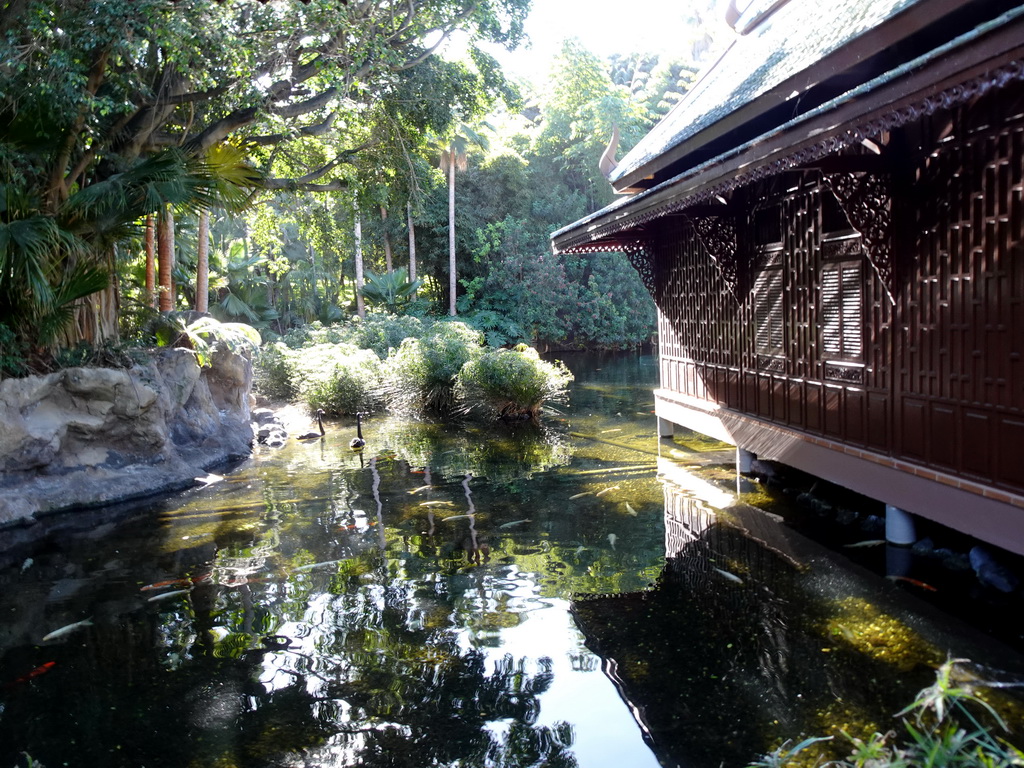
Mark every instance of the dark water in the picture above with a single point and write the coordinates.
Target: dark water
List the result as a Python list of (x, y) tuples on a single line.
[(324, 608)]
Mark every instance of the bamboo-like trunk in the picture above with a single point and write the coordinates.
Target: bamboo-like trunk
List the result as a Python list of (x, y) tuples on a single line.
[(165, 257), (387, 238), (412, 243), (360, 306), (150, 262), (451, 234), (203, 263)]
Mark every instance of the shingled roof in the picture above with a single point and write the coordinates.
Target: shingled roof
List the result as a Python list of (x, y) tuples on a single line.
[(805, 82)]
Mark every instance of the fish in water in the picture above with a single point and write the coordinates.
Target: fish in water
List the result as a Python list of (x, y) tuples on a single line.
[(68, 629), (183, 582), (730, 576), (915, 582), (40, 670), (456, 517), (437, 504), (609, 489), (27, 564), (612, 538), (165, 595), (314, 566), (581, 495), (630, 510), (514, 522), (580, 549), (422, 488), (606, 431), (868, 543)]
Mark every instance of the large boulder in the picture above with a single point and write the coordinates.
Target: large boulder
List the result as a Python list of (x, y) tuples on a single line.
[(84, 437)]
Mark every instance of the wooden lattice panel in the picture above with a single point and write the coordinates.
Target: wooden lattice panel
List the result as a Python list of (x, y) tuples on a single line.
[(961, 381)]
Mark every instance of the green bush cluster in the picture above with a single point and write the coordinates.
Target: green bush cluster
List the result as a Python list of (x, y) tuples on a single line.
[(510, 383), (409, 366), (380, 331), (421, 374), (340, 378)]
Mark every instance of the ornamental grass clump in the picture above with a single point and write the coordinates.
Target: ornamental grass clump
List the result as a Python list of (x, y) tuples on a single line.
[(420, 375), (340, 378), (510, 384)]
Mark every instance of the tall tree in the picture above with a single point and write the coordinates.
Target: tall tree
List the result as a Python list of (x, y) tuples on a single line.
[(203, 262), (92, 88), (454, 158)]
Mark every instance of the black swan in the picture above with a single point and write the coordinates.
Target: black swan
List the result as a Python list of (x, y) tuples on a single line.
[(357, 442), (320, 423)]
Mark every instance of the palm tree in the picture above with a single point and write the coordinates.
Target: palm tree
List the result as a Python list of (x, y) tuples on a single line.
[(452, 158), (50, 259)]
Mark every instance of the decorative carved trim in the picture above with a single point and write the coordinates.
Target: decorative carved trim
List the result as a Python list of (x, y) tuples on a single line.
[(867, 201), (641, 257), (848, 374), (718, 236), (768, 364), (842, 248)]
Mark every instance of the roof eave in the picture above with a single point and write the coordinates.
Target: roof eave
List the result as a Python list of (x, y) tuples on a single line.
[(878, 39), (951, 74)]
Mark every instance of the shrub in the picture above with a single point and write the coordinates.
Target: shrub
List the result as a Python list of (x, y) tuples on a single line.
[(510, 384), (421, 374), (339, 378), (379, 331), (274, 372)]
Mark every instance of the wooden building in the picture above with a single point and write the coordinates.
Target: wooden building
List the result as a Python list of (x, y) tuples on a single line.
[(831, 223)]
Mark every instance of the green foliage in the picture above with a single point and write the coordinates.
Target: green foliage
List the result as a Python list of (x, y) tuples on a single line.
[(390, 291), (420, 376), (380, 331), (110, 354), (202, 335), (339, 378), (944, 732), (13, 353), (274, 372), (336, 376), (510, 384)]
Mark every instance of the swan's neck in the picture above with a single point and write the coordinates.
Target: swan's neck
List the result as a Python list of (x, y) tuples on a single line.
[(320, 423), (359, 427)]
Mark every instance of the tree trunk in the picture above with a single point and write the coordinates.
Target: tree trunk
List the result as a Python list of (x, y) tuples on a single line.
[(203, 263), (360, 307), (451, 234), (150, 262), (387, 238), (412, 244), (165, 257)]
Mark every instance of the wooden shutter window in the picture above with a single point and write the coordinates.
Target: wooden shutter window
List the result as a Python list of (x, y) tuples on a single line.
[(842, 312), (768, 312)]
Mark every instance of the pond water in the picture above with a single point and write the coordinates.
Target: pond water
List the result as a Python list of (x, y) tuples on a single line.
[(459, 596)]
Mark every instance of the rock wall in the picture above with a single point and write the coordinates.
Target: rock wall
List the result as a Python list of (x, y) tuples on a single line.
[(89, 436)]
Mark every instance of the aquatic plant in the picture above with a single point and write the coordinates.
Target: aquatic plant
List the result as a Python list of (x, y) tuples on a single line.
[(510, 384), (339, 378), (421, 374), (944, 731)]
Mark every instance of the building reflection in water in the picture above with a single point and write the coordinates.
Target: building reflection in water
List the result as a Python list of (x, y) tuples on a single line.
[(753, 635)]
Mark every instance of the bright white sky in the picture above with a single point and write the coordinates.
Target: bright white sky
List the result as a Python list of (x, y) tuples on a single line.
[(604, 27)]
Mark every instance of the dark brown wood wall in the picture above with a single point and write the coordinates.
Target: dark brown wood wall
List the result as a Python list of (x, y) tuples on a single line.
[(960, 388), (934, 373)]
